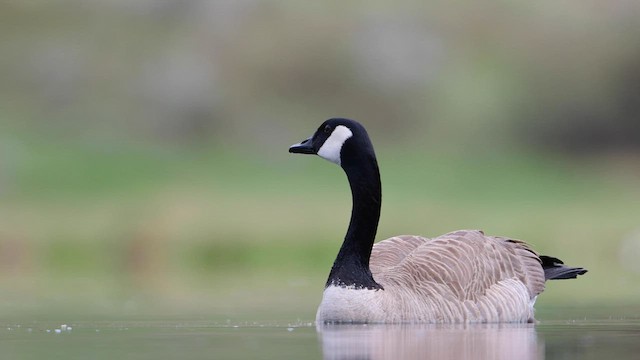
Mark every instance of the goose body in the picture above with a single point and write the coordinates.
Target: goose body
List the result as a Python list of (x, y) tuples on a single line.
[(461, 277)]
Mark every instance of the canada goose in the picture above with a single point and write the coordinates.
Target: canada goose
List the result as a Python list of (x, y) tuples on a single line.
[(462, 276)]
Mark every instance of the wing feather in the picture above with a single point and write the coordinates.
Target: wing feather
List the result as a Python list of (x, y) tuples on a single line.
[(467, 263)]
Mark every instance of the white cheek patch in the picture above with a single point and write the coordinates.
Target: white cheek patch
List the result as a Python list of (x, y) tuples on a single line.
[(330, 150)]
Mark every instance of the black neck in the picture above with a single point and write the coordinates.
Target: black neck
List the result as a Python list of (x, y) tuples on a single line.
[(351, 267)]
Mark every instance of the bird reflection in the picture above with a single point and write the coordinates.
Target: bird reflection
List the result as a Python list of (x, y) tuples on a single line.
[(406, 341)]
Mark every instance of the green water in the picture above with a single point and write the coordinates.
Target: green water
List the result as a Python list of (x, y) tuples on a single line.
[(560, 334)]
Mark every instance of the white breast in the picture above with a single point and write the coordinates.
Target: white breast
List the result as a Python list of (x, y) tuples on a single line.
[(349, 304)]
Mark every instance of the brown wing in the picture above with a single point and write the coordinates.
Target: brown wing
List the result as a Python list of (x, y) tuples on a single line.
[(392, 251), (466, 262)]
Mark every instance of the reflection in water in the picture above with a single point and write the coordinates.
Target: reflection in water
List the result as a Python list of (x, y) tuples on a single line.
[(405, 341)]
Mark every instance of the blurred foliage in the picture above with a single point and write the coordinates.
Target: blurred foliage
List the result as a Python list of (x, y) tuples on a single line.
[(143, 161), (540, 73)]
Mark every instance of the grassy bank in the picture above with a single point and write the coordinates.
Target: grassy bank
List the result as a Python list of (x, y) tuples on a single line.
[(140, 229)]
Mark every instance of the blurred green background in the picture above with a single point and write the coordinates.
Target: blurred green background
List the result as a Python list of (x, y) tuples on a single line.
[(143, 145)]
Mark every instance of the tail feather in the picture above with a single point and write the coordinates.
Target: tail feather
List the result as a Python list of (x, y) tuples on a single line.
[(554, 269)]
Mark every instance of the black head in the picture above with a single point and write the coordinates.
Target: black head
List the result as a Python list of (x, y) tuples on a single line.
[(336, 140)]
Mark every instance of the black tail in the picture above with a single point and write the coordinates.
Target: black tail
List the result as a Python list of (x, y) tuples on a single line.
[(554, 269)]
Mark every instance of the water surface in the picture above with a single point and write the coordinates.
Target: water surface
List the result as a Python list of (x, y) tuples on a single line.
[(561, 336)]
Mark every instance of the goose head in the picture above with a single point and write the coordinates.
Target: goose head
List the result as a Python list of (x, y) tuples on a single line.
[(341, 141)]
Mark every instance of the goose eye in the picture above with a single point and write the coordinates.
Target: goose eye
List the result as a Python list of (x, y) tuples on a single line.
[(327, 129)]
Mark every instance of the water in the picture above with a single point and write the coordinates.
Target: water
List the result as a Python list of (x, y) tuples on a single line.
[(596, 337), (575, 340)]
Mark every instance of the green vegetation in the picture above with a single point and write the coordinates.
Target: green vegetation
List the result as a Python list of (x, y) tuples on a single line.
[(146, 229)]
